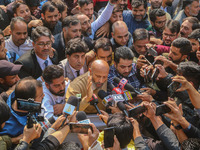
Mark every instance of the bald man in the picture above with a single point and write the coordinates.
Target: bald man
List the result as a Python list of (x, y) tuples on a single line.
[(120, 35), (87, 84)]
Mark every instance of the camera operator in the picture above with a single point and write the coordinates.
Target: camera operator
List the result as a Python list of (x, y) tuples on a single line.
[(25, 89), (52, 139)]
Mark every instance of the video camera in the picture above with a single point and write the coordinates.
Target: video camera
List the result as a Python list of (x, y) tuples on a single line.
[(33, 108)]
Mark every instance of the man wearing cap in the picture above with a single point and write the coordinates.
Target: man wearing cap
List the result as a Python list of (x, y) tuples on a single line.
[(8, 76)]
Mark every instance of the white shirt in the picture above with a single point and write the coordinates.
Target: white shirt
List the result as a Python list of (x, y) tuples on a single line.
[(50, 100), (41, 62), (22, 49), (74, 71)]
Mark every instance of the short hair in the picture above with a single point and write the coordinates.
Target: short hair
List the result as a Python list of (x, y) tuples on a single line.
[(69, 145), (191, 71), (117, 8), (190, 144), (156, 13), (70, 21), (140, 34), (48, 6), (60, 5), (40, 31), (76, 45), (16, 19), (184, 45), (17, 5), (195, 35), (52, 72), (117, 24), (124, 53), (103, 43), (193, 20), (173, 26), (138, 3), (4, 112), (187, 3), (81, 3), (26, 88), (123, 128)]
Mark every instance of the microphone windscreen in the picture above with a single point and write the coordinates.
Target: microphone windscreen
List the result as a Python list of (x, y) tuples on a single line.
[(110, 86), (121, 106), (73, 100), (102, 94), (81, 115), (116, 80), (51, 120)]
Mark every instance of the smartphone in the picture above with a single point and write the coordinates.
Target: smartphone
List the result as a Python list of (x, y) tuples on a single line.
[(152, 52), (154, 75), (136, 111), (109, 137), (162, 109), (172, 87), (79, 128)]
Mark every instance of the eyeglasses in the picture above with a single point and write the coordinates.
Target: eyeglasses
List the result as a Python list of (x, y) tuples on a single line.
[(169, 35), (42, 45)]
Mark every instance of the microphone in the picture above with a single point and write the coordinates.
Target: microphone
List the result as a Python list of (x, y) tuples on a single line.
[(94, 102), (122, 107), (107, 100), (47, 123), (79, 100), (82, 117), (129, 95), (127, 86), (114, 90), (70, 105)]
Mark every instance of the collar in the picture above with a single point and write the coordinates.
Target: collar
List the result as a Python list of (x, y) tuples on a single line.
[(40, 60), (74, 70)]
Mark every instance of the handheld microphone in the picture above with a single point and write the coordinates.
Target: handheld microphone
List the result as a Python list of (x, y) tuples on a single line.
[(94, 102), (70, 106), (129, 95), (82, 117), (127, 86), (107, 100), (113, 89), (122, 107), (47, 123), (79, 100)]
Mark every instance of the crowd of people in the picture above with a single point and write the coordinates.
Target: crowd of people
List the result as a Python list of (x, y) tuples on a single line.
[(135, 64)]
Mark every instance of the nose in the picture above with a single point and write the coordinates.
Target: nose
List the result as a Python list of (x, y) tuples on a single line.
[(17, 78), (78, 34), (126, 69), (53, 18)]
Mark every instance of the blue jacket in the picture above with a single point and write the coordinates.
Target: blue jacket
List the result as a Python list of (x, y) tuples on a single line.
[(15, 125), (132, 24)]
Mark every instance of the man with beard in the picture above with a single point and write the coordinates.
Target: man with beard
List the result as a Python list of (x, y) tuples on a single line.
[(18, 41), (187, 26), (124, 67), (50, 17), (158, 20), (20, 9), (190, 8), (179, 51), (75, 64), (137, 18), (194, 38), (170, 32), (89, 83), (156, 4), (37, 59), (71, 28), (54, 90)]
